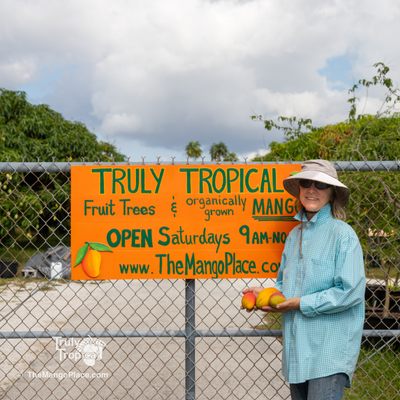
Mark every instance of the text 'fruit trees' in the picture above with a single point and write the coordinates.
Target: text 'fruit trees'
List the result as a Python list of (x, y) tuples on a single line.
[(179, 221)]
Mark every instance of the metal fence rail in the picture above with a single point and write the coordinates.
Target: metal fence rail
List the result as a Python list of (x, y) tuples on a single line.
[(160, 339)]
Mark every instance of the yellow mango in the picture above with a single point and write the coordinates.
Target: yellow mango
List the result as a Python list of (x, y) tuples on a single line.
[(264, 296), (91, 263), (249, 301), (276, 298)]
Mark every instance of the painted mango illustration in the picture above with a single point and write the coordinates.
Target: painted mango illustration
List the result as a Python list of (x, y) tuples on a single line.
[(89, 257), (91, 263)]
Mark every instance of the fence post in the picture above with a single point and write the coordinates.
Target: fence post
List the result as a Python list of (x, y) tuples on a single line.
[(190, 335)]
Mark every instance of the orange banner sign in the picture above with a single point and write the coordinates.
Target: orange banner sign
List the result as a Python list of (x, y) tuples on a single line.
[(179, 221)]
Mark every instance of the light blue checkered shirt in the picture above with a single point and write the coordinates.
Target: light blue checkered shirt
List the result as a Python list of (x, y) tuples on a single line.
[(324, 337)]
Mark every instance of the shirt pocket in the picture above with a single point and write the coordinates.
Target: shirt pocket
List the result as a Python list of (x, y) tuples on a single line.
[(319, 275)]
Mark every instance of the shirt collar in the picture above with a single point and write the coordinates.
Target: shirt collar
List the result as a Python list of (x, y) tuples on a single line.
[(322, 215)]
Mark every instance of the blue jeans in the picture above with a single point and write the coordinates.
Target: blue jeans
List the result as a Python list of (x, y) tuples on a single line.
[(326, 388)]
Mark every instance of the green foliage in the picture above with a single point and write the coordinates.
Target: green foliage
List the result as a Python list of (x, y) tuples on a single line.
[(367, 138), (35, 206), (231, 156), (391, 98), (36, 132), (376, 376), (374, 212), (219, 152), (374, 209), (292, 127), (361, 137), (193, 150)]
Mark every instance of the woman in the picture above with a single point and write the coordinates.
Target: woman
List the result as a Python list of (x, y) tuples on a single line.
[(322, 277)]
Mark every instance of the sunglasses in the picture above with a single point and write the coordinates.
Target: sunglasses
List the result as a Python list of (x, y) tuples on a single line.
[(306, 183)]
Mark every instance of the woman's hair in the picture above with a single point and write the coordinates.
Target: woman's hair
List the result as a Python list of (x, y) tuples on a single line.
[(337, 209)]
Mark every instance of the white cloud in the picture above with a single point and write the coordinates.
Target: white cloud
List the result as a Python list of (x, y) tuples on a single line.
[(120, 123), (16, 72), (154, 75)]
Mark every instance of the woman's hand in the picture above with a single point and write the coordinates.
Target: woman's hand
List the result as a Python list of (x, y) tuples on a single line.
[(288, 305)]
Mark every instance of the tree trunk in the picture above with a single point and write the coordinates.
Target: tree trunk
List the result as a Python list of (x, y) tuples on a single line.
[(387, 293), (396, 281)]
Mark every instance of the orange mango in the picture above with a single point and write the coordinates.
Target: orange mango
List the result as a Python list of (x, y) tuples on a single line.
[(91, 263), (249, 301), (264, 296), (276, 298)]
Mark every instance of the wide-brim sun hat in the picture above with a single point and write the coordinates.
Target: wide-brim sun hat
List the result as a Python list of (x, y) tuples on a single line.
[(320, 171)]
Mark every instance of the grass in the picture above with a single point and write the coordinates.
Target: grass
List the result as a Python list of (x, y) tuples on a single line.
[(271, 322), (47, 286), (20, 281), (380, 273), (377, 376), (21, 256), (15, 281), (378, 371), (17, 254)]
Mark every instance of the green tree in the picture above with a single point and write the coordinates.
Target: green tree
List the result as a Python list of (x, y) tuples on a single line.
[(36, 132), (219, 152), (35, 206), (193, 150), (231, 156), (374, 209)]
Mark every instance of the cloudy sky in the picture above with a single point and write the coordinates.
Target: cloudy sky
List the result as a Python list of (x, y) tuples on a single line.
[(151, 75)]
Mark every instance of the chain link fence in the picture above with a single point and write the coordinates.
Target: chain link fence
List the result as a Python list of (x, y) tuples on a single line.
[(168, 339)]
